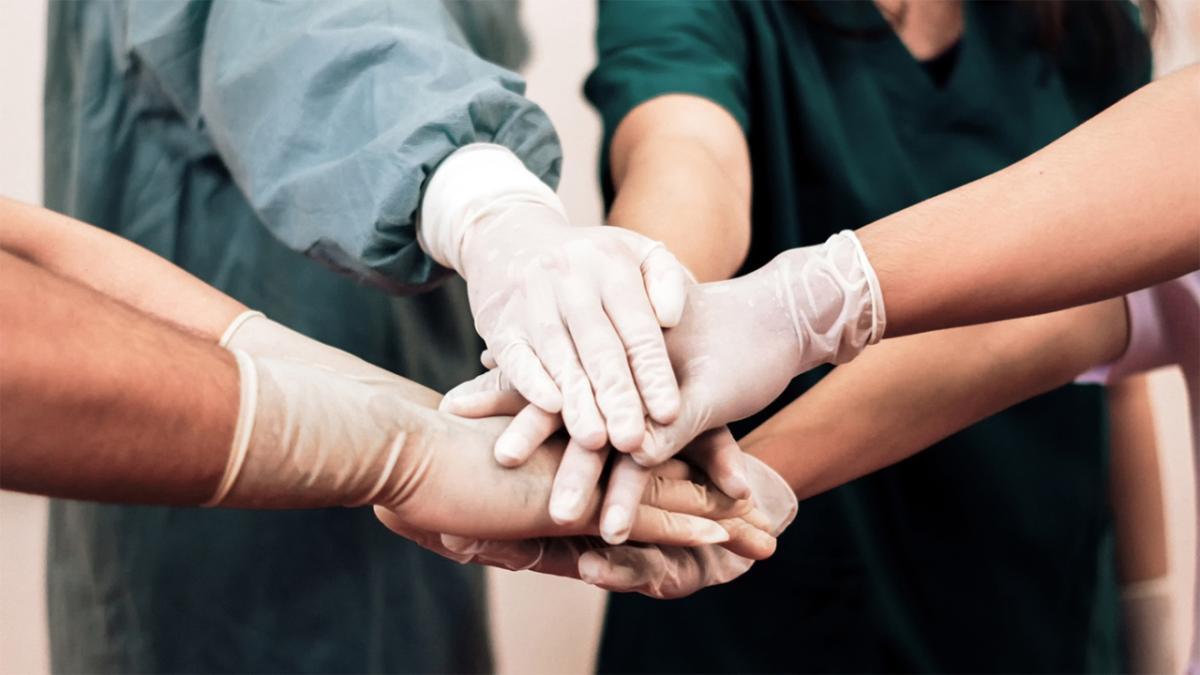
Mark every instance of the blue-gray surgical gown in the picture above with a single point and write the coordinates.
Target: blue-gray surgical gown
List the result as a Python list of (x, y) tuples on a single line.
[(235, 138)]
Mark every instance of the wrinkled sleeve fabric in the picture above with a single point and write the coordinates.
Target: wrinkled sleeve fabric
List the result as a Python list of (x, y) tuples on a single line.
[(649, 48), (332, 115)]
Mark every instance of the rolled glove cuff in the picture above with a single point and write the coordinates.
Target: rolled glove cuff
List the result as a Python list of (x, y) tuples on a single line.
[(472, 183), (834, 300), (878, 311), (247, 407), (235, 325)]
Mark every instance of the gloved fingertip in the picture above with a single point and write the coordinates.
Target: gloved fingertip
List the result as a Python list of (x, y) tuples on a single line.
[(510, 450), (736, 486), (458, 544), (591, 439), (592, 567), (616, 524), (628, 440), (708, 532), (566, 505)]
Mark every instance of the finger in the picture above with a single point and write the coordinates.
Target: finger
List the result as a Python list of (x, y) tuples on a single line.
[(633, 569), (654, 571), (666, 283), (575, 483), (660, 572), (486, 395), (428, 540), (486, 358), (525, 434), (645, 349), (697, 499), (757, 518), (517, 555), (603, 357), (653, 525), (523, 368), (663, 441), (719, 456), (773, 497), (747, 540), (622, 495), (553, 341)]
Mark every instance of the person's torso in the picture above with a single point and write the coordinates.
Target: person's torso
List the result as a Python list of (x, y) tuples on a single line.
[(990, 551)]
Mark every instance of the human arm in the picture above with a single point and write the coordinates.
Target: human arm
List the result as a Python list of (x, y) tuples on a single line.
[(671, 90), (386, 118), (903, 395), (115, 267), (1111, 207), (681, 170), (93, 392)]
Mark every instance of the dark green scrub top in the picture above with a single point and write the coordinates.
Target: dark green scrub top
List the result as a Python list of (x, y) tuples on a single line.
[(993, 550)]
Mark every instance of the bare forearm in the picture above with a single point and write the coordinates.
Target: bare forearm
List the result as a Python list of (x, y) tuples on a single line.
[(902, 395), (681, 169), (675, 193), (115, 267), (1111, 207), (100, 402)]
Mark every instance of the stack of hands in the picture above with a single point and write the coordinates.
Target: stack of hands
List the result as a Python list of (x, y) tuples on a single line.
[(597, 331), (574, 319)]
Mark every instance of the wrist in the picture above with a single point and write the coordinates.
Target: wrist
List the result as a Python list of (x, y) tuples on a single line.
[(308, 437), (833, 299), (473, 183)]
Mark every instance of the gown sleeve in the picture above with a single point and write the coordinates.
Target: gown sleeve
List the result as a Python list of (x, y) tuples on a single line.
[(331, 116)]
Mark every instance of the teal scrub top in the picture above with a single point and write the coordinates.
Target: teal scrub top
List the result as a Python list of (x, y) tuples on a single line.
[(992, 550), (234, 138)]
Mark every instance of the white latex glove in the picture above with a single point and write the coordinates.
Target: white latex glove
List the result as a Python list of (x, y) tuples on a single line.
[(308, 436), (321, 372), (654, 570), (739, 343), (573, 315), (716, 454)]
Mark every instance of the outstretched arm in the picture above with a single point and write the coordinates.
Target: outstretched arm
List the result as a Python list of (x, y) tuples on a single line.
[(903, 395), (1109, 208), (114, 267), (102, 402)]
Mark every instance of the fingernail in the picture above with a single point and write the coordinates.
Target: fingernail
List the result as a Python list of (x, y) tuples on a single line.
[(566, 505), (711, 533), (616, 525)]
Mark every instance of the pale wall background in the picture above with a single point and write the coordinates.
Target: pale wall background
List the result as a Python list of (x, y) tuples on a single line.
[(540, 625)]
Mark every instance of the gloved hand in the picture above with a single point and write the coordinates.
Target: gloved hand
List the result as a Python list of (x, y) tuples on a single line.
[(361, 435), (573, 315), (739, 343), (658, 571)]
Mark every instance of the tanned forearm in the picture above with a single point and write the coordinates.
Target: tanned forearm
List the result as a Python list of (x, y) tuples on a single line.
[(682, 172), (902, 395), (1109, 208), (115, 267), (101, 402)]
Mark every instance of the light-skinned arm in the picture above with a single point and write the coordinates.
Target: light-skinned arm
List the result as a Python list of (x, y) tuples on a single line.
[(114, 267), (903, 395), (102, 402), (1109, 208), (681, 168)]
